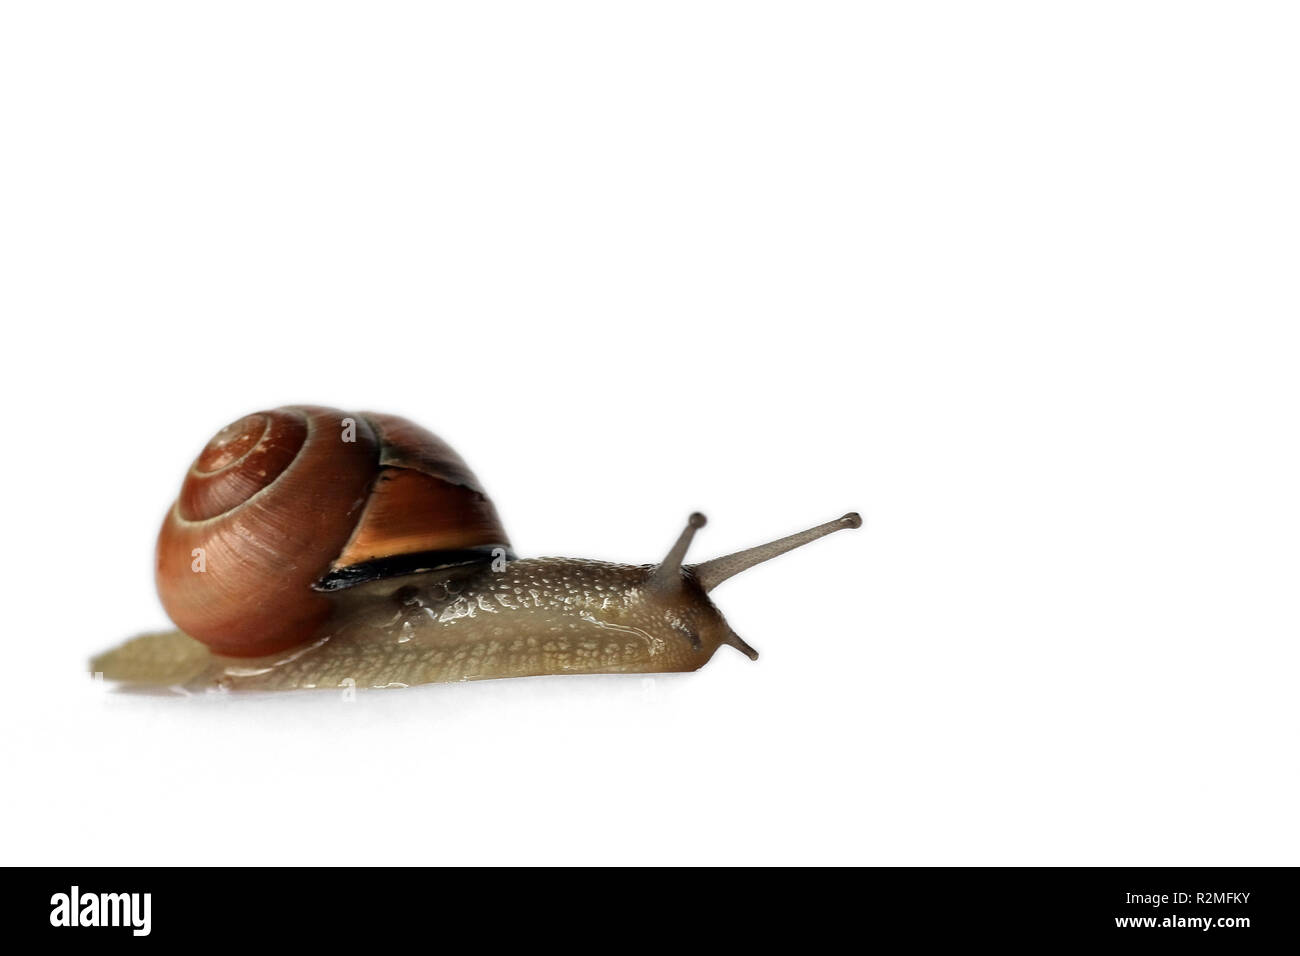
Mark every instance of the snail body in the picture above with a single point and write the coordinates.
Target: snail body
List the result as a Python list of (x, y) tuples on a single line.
[(289, 562)]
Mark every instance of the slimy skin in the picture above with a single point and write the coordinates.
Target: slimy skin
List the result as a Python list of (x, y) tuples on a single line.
[(481, 621), (533, 617)]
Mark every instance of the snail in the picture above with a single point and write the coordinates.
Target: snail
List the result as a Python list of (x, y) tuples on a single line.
[(313, 548)]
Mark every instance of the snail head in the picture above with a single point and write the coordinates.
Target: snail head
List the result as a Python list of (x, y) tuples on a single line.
[(682, 590)]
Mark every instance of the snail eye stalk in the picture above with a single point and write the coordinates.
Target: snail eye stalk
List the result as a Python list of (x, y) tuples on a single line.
[(667, 577), (712, 573)]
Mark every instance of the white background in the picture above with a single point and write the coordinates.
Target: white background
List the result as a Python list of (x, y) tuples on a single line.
[(1016, 280)]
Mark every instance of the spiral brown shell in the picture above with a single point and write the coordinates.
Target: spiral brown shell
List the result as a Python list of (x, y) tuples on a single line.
[(283, 505)]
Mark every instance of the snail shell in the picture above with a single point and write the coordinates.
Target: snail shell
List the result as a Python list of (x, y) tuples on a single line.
[(284, 506)]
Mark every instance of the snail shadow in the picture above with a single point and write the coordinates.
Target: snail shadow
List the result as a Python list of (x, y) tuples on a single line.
[(455, 700)]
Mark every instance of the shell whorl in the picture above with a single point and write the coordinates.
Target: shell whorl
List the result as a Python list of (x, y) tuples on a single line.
[(240, 460)]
